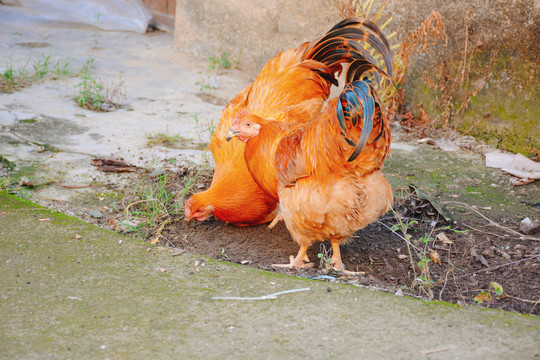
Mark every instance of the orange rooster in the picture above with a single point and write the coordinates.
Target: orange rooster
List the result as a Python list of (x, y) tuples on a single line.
[(329, 185), (291, 88)]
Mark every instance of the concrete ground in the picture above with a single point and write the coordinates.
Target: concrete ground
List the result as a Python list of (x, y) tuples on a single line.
[(72, 290)]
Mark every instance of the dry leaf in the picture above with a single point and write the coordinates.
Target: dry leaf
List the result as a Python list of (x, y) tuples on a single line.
[(435, 257), (78, 236), (155, 240), (443, 238), (4, 213), (479, 257), (26, 182), (45, 219), (402, 256), (483, 296), (113, 223)]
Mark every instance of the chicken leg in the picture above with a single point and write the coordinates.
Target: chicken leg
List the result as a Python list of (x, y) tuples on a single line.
[(336, 262), (300, 261)]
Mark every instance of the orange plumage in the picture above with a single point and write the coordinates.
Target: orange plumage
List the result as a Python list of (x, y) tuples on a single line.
[(291, 88), (326, 172)]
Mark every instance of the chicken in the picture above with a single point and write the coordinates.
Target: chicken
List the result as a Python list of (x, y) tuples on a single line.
[(292, 87), (329, 185)]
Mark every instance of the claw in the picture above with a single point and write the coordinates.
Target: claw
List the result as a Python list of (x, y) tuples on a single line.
[(300, 261), (277, 219)]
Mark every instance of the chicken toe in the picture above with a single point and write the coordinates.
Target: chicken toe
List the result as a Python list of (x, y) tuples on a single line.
[(300, 261)]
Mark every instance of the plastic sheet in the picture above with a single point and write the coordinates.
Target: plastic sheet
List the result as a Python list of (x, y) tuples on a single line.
[(121, 15)]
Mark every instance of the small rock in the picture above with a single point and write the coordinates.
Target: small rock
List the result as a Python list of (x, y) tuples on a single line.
[(528, 226), (158, 172), (96, 214)]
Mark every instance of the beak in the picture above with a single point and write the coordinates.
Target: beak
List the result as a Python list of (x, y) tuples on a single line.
[(230, 134)]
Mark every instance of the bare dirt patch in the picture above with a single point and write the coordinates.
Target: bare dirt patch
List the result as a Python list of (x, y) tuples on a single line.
[(450, 262)]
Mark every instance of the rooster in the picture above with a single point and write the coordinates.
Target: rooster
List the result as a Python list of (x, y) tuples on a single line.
[(328, 184), (291, 88)]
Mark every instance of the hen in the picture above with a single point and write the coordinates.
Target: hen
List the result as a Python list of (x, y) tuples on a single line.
[(329, 185), (291, 88)]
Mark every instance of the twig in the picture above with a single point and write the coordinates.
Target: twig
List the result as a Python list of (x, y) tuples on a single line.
[(427, 352), (264, 297), (483, 231), (524, 300), (142, 201), (491, 222), (499, 266)]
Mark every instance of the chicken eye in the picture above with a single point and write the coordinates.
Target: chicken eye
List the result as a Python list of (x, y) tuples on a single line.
[(248, 124)]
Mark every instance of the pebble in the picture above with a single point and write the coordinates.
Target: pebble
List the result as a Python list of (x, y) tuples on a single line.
[(96, 214), (528, 226)]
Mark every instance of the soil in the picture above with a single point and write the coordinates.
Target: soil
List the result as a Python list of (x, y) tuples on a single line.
[(463, 266)]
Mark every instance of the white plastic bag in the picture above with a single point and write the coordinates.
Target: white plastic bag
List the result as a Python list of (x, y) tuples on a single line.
[(123, 15)]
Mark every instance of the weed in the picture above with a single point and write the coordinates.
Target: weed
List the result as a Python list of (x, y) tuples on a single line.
[(96, 95), (9, 83), (420, 251), (495, 290), (223, 255), (164, 139), (90, 94), (61, 68), (153, 203), (43, 68), (324, 256), (17, 181), (204, 133), (208, 79), (223, 61)]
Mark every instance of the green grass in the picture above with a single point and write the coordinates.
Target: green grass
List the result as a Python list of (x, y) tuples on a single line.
[(94, 94), (154, 202), (165, 139), (43, 68)]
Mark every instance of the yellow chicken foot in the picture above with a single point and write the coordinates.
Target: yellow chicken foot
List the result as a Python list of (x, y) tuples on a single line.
[(277, 219), (336, 262), (300, 261)]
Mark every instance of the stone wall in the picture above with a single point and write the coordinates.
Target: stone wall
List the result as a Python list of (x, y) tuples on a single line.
[(503, 48), (252, 30)]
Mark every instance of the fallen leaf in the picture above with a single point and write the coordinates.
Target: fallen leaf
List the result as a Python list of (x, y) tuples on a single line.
[(483, 296), (45, 219), (444, 239), (78, 236), (479, 257), (399, 292), (521, 182), (111, 165), (402, 256), (497, 288), (155, 240), (26, 182), (113, 223), (435, 257), (4, 213)]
